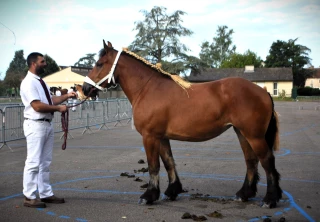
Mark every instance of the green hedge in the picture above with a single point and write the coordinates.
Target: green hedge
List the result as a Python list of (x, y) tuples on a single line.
[(308, 91)]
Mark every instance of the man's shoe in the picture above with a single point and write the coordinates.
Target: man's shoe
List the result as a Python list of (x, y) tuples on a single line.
[(53, 199), (34, 203)]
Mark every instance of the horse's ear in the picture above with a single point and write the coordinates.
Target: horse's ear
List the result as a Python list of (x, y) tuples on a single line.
[(105, 45)]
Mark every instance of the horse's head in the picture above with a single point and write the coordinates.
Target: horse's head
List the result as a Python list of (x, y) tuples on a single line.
[(53, 89), (101, 76)]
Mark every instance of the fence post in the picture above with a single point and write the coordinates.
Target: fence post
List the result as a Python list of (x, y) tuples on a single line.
[(118, 113), (103, 117), (87, 126), (3, 131)]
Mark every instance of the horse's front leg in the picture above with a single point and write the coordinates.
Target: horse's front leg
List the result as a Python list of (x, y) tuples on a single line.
[(175, 186), (152, 146)]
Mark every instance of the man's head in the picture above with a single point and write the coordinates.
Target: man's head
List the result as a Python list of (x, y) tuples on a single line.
[(36, 63)]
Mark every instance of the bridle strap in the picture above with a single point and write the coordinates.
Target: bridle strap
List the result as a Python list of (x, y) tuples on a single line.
[(108, 77), (65, 121), (88, 80)]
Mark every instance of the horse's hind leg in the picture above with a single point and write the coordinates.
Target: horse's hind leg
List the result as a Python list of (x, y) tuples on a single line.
[(151, 146), (249, 187), (267, 160), (175, 186)]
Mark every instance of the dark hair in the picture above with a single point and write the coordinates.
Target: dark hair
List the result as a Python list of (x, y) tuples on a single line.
[(32, 57)]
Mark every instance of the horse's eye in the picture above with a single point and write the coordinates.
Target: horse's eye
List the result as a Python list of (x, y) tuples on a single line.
[(99, 64)]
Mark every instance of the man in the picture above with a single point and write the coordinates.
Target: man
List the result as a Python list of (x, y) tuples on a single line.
[(39, 133)]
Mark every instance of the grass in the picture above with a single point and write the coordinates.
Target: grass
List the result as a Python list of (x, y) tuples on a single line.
[(288, 99)]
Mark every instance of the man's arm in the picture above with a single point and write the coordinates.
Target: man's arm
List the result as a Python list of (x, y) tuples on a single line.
[(60, 99), (46, 108)]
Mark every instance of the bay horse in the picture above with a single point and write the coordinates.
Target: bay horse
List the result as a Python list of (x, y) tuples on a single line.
[(54, 90), (166, 107), (63, 91), (80, 93)]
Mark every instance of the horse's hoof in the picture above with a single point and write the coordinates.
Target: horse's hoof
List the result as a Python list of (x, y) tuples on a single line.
[(265, 205), (238, 199), (144, 202), (268, 205), (166, 198)]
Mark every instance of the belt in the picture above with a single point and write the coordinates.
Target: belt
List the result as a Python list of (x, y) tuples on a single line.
[(40, 120)]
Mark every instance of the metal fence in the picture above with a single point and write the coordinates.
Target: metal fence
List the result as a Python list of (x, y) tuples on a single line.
[(87, 115)]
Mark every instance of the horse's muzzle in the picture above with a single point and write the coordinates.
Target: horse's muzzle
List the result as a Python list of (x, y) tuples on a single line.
[(86, 88)]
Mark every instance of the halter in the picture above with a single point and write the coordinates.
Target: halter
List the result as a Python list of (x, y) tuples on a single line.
[(108, 77)]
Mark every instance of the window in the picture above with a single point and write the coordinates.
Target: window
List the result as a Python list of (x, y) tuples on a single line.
[(275, 88)]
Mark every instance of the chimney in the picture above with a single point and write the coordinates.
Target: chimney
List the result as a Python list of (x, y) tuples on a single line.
[(249, 68)]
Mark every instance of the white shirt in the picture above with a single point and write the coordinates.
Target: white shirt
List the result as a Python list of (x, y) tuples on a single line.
[(30, 90)]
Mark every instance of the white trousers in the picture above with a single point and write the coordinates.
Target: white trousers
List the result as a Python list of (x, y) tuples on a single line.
[(40, 139)]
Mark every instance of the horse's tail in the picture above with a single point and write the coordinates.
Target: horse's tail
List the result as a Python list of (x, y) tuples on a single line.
[(272, 134)]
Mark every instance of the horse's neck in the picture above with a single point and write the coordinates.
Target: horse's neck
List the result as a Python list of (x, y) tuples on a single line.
[(133, 77)]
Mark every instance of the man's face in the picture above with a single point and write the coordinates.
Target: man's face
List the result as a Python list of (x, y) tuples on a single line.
[(40, 65)]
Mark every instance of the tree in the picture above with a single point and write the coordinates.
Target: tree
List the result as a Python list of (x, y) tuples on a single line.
[(51, 67), (2, 88), (213, 54), (157, 39), (237, 60), (16, 71), (290, 54), (86, 61)]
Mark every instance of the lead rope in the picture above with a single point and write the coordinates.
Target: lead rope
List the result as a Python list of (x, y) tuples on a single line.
[(65, 121)]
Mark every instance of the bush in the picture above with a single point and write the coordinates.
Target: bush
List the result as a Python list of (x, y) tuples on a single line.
[(282, 95), (306, 91), (315, 91)]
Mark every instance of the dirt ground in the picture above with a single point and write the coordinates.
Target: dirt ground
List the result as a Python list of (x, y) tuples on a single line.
[(88, 175)]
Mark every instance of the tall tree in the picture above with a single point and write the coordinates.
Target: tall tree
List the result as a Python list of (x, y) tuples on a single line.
[(87, 61), (213, 54), (3, 88), (237, 60), (290, 54), (16, 71), (158, 41), (51, 67)]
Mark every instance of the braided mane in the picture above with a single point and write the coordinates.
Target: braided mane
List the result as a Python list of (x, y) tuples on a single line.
[(181, 82)]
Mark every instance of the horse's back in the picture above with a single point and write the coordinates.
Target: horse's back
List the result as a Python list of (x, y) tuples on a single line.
[(233, 91)]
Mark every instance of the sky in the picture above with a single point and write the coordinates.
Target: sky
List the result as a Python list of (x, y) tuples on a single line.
[(67, 30)]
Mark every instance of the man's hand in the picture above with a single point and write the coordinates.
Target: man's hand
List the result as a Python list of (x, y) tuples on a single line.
[(63, 108), (72, 95)]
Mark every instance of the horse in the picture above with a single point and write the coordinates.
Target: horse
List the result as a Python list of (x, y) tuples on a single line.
[(166, 107), (53, 90), (73, 88), (80, 93), (63, 91)]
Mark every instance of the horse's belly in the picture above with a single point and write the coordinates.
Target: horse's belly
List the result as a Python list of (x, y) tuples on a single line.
[(196, 133)]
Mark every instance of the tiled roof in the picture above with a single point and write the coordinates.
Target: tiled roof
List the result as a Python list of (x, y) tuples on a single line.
[(84, 71), (259, 74), (316, 72)]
